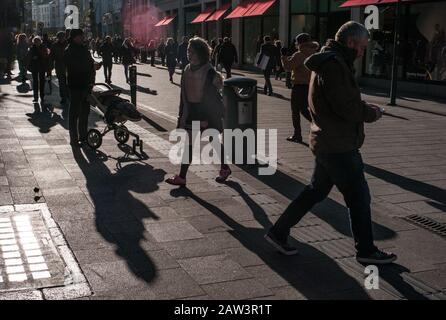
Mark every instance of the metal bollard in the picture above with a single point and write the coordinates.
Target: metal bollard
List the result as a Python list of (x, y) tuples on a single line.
[(133, 84)]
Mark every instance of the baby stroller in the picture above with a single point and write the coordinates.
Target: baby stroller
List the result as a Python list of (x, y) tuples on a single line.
[(117, 111)]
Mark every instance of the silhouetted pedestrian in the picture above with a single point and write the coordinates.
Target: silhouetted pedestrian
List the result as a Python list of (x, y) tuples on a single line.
[(337, 133)]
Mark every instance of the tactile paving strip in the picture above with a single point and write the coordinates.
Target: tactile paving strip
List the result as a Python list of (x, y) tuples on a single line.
[(28, 257)]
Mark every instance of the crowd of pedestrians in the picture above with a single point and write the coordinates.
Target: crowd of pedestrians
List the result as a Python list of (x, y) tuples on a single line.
[(324, 92)]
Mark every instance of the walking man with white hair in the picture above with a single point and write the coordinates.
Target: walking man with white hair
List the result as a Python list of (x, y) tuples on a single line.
[(336, 135)]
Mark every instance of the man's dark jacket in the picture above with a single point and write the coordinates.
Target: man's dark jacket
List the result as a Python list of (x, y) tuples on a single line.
[(57, 55), (270, 50), (227, 54), (38, 59), (337, 111), (182, 53), (106, 51), (80, 67)]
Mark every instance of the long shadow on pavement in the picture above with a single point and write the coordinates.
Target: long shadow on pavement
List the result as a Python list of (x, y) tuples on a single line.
[(119, 214), (138, 88), (436, 194), (329, 210), (313, 274)]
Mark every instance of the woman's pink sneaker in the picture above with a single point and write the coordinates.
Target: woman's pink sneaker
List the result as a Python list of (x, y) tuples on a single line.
[(224, 174), (176, 181)]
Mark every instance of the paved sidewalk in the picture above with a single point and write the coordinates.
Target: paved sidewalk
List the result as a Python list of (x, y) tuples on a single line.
[(135, 237)]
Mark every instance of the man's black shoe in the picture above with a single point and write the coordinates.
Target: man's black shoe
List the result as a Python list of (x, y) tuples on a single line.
[(295, 138), (378, 257), (282, 247)]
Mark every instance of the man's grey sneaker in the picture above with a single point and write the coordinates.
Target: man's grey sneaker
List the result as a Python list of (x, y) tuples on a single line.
[(378, 257), (282, 247)]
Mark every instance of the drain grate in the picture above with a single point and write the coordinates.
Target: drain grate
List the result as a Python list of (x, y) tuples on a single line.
[(428, 224)]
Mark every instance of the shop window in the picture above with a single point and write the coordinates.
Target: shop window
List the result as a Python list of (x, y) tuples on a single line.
[(211, 32), (378, 58), (252, 36), (271, 27), (426, 42), (303, 23), (304, 6)]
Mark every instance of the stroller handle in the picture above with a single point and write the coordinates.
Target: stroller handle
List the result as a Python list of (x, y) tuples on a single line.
[(102, 84)]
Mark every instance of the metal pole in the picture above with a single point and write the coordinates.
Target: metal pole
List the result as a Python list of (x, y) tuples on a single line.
[(394, 80), (133, 84)]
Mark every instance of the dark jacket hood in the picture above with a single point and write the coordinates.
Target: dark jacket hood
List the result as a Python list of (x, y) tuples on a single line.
[(331, 50)]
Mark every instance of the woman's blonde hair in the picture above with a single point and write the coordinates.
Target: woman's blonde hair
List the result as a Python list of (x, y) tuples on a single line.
[(201, 48)]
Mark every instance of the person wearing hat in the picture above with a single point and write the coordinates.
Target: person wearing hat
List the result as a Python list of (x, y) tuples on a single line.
[(300, 77), (81, 72), (58, 61)]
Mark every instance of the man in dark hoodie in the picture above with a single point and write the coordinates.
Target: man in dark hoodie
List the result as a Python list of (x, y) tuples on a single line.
[(300, 77), (81, 76), (337, 133)]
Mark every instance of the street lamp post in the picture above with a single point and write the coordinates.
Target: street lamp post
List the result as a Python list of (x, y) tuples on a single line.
[(394, 80)]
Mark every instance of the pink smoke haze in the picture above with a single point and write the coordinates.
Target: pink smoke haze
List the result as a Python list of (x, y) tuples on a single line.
[(139, 23)]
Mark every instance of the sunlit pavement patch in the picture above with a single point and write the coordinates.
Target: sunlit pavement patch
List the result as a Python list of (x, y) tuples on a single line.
[(34, 257)]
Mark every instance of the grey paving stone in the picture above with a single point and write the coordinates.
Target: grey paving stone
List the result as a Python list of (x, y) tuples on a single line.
[(116, 275), (84, 234), (22, 295), (173, 231), (244, 257), (267, 276), (192, 248), (175, 283), (208, 224), (237, 290), (287, 293), (224, 240), (212, 269)]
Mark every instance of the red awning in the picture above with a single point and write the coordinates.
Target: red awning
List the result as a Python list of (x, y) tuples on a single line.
[(355, 3), (203, 16), (219, 13), (160, 23), (241, 9), (251, 8), (259, 8), (168, 20)]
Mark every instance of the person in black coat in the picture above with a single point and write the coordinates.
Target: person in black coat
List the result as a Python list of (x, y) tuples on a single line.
[(38, 65), (171, 57), (106, 51), (162, 51), (269, 50), (81, 73), (227, 55), (182, 53), (128, 56), (58, 61)]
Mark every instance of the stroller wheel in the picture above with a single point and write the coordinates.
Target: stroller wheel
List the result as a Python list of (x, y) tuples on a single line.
[(122, 134), (94, 139)]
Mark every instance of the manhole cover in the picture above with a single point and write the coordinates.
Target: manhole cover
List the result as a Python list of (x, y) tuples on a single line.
[(35, 260)]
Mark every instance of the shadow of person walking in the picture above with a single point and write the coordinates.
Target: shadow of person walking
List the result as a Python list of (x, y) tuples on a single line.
[(45, 120), (313, 274), (119, 214)]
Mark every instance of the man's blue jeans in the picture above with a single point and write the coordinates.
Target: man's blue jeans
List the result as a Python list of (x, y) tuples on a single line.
[(346, 172)]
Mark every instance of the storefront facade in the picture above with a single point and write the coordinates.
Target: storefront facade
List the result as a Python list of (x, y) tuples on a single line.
[(421, 53), (421, 56)]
